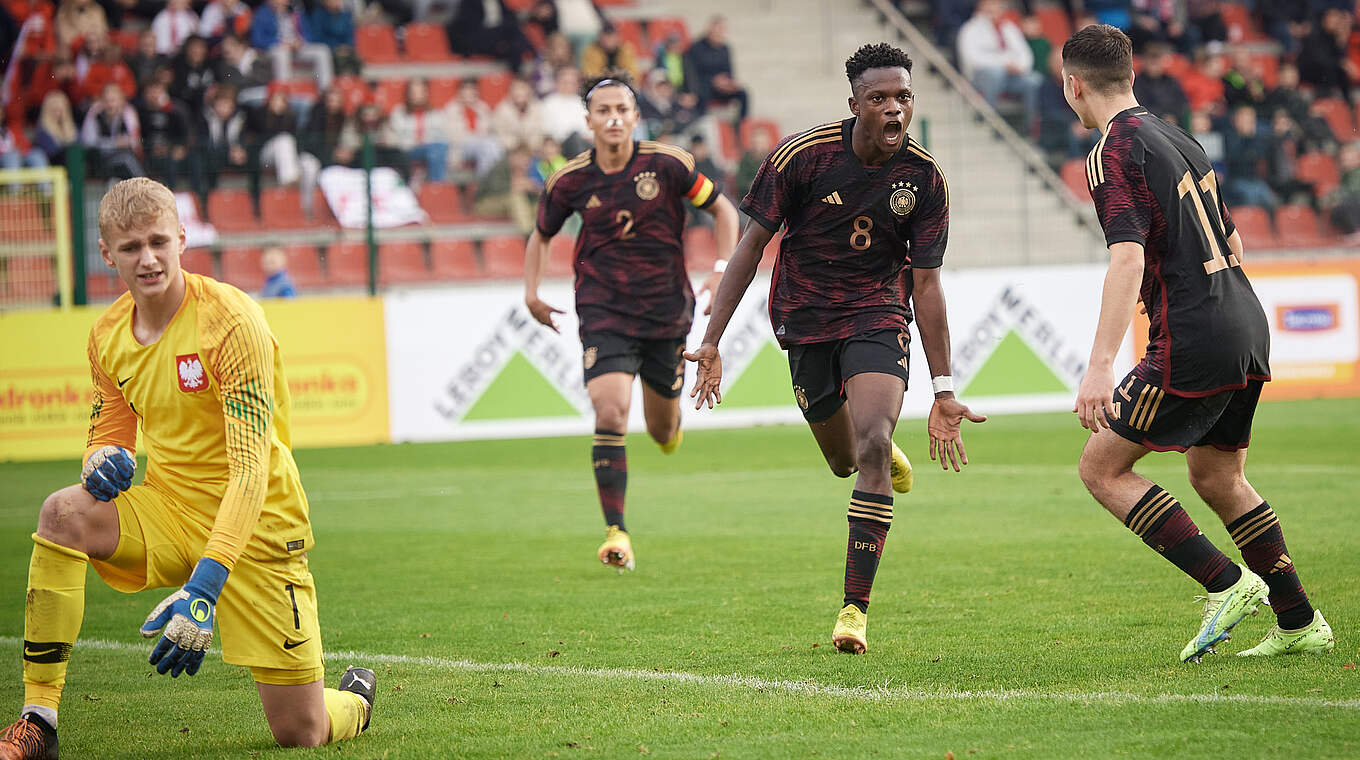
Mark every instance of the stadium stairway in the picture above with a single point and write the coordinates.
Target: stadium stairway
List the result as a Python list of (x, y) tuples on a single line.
[(791, 56)]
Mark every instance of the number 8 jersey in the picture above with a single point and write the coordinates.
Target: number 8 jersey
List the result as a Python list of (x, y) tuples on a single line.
[(1153, 185), (852, 233)]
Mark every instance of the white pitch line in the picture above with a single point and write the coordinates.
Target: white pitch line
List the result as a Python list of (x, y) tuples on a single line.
[(801, 688)]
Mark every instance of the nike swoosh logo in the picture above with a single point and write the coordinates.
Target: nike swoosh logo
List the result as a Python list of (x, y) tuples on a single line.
[(31, 652), (1205, 639), (294, 645), (121, 383)]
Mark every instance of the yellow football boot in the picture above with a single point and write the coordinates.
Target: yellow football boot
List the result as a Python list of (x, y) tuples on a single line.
[(617, 549)]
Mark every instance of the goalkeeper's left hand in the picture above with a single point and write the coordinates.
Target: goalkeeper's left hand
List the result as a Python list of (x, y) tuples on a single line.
[(187, 619)]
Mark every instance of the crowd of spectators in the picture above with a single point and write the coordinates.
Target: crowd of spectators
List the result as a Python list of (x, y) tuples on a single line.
[(191, 92), (1268, 88)]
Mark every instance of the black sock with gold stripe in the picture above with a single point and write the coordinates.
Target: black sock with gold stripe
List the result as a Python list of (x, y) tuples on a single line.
[(870, 516), (1258, 535), (611, 474), (1160, 521)]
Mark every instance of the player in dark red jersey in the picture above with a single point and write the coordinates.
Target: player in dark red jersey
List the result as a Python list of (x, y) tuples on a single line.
[(1174, 247), (633, 296), (866, 211)]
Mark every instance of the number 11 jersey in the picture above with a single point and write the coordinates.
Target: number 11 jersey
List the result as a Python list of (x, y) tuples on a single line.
[(1153, 185)]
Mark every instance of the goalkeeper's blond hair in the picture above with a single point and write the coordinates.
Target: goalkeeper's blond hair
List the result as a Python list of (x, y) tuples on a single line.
[(136, 202)]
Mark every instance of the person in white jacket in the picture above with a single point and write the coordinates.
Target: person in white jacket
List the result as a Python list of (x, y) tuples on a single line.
[(996, 58)]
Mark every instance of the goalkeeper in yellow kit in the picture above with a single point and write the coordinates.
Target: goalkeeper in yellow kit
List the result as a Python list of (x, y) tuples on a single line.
[(221, 514)]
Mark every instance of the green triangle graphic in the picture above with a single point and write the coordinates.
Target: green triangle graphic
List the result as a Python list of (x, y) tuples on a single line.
[(765, 382), (1013, 369), (519, 391)]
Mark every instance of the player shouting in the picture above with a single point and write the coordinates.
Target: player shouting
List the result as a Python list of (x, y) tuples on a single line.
[(866, 211), (221, 513), (633, 297), (1174, 247)]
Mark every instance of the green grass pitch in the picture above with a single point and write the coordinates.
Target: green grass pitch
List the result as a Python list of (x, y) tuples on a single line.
[(1012, 617)]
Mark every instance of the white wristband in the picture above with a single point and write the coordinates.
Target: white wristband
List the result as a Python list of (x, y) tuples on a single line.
[(720, 266), (942, 383)]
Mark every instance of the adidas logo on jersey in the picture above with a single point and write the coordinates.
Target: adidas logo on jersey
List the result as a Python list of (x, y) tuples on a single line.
[(834, 199), (594, 202)]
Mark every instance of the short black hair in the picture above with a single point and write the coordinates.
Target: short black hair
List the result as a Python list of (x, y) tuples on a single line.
[(615, 78), (880, 56), (1101, 55)]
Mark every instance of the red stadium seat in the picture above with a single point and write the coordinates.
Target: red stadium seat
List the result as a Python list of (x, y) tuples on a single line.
[(491, 88), (102, 286), (1054, 22), (631, 31), (198, 261), (727, 141), (281, 209), (519, 6), (751, 126), (231, 211), (443, 90), (503, 257), (355, 90), (298, 89), (1253, 225), (1298, 227), (375, 43), (1241, 26), (1319, 169), (22, 218), (347, 264), (561, 252), (440, 200), (1074, 176), (241, 267), (426, 43), (401, 262), (659, 28), (453, 260), (1339, 117), (30, 279), (387, 93), (304, 267), (1268, 68), (536, 37)]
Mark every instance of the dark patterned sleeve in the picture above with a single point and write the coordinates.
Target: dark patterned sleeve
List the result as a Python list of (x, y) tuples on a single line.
[(930, 225), (768, 201), (553, 210), (1113, 175), (698, 189)]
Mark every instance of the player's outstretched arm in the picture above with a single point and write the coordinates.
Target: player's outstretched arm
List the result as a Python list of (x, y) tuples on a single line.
[(1094, 406), (947, 413), (725, 232), (535, 263), (735, 281)]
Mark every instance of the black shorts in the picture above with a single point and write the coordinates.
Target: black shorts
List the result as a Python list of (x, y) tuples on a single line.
[(1151, 417), (660, 362), (820, 370)]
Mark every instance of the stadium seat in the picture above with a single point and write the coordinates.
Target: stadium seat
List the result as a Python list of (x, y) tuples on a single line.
[(347, 264), (1319, 169), (231, 211), (519, 6), (1253, 225), (1074, 176), (241, 267), (281, 209), (21, 218), (727, 141), (630, 31), (304, 267), (701, 250), (503, 257), (30, 279), (427, 43), (751, 126), (443, 90), (1241, 26), (198, 261), (536, 37), (1268, 68), (659, 28), (375, 43), (1054, 22), (125, 39), (401, 262), (1297, 227), (387, 93), (355, 90), (440, 200), (561, 252), (103, 286), (491, 88), (453, 260), (1339, 117)]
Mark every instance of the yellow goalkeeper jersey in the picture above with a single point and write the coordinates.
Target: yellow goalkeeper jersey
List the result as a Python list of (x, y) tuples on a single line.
[(212, 403)]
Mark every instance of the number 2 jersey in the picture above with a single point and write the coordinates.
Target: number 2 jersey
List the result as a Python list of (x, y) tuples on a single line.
[(629, 259), (852, 234), (1153, 185)]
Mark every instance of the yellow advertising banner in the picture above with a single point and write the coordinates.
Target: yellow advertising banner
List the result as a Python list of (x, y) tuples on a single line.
[(334, 351)]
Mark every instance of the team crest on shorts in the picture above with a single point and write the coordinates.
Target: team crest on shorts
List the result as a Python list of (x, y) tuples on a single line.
[(903, 198), (648, 187), (801, 396), (589, 358), (192, 378)]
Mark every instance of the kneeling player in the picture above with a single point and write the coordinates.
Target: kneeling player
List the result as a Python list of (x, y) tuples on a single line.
[(221, 513)]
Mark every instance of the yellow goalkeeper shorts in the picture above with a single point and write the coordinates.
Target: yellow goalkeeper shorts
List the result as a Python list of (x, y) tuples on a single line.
[(266, 616)]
